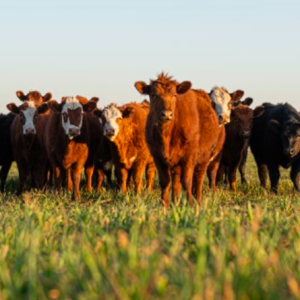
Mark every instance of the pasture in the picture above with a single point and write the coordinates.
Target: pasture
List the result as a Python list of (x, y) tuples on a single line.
[(242, 245)]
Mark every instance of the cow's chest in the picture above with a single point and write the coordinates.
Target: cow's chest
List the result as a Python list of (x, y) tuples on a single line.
[(76, 153)]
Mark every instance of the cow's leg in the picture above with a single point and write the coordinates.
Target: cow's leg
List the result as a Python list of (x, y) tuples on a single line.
[(220, 174), (138, 174), (89, 170), (151, 176), (295, 176), (164, 182), (58, 179), (33, 184), (263, 174), (123, 180), (176, 184), (3, 174), (274, 176), (70, 181), (232, 169), (200, 172), (187, 180), (23, 172), (212, 171), (242, 166), (39, 171), (101, 175), (226, 176), (130, 179), (76, 171)]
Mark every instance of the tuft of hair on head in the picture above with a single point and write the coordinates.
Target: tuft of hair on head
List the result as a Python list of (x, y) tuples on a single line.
[(164, 78)]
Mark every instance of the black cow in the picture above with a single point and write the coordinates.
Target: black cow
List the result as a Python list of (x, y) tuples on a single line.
[(6, 152), (234, 153), (275, 142)]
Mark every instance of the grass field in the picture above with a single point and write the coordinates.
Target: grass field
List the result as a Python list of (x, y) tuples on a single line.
[(243, 245)]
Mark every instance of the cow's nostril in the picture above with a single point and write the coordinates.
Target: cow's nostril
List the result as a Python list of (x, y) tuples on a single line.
[(166, 114)]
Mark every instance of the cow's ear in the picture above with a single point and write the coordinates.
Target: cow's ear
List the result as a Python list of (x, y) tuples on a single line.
[(143, 88), (275, 125), (183, 87), (47, 97), (258, 111), (54, 106), (98, 113), (95, 99), (237, 95), (248, 101), (146, 102), (21, 96), (43, 108), (82, 100), (89, 107), (127, 112), (13, 108)]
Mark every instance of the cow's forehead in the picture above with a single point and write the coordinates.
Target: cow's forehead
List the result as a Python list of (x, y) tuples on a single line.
[(112, 112), (28, 106), (71, 103), (220, 95)]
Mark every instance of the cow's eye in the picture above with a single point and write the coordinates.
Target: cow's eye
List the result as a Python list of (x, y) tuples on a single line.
[(65, 116)]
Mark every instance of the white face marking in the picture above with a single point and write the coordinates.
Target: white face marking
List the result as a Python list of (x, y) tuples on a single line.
[(29, 113), (71, 103), (111, 127), (221, 98)]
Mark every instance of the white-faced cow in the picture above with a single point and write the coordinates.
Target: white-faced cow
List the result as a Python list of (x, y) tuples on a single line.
[(125, 128), (27, 137), (70, 143), (222, 102)]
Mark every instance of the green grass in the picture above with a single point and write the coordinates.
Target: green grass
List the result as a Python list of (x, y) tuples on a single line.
[(243, 245)]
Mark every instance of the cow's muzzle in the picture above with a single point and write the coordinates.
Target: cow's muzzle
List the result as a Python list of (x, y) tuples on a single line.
[(73, 132), (166, 115)]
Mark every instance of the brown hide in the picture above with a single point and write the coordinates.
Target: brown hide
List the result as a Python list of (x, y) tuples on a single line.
[(184, 143), (130, 151), (69, 157)]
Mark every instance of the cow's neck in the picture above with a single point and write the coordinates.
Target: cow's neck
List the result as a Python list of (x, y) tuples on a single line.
[(29, 141), (166, 134)]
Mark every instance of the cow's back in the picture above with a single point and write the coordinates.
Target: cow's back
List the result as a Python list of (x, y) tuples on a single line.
[(265, 144)]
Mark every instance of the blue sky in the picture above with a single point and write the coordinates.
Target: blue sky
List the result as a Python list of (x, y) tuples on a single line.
[(100, 48)]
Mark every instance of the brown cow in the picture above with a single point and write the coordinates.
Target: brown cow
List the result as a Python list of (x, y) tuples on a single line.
[(27, 136), (222, 102), (125, 127), (70, 143), (182, 131), (235, 149)]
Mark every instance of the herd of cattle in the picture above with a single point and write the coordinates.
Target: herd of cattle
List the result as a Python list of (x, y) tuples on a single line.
[(182, 133)]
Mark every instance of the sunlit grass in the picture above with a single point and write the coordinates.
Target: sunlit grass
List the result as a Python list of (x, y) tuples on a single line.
[(243, 245)]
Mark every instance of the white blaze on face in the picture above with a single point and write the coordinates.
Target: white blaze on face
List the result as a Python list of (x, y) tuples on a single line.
[(221, 99), (29, 113), (72, 103), (111, 127)]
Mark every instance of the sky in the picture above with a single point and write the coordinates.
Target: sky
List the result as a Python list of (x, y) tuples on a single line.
[(100, 48)]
